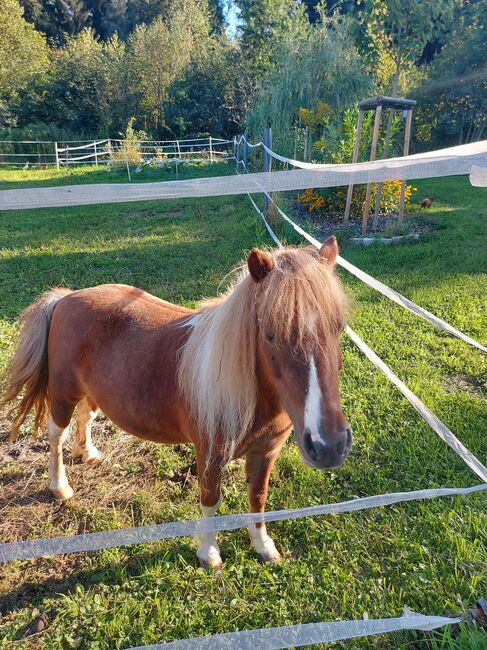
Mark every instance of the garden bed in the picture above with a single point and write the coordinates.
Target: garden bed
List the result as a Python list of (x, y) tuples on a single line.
[(389, 230)]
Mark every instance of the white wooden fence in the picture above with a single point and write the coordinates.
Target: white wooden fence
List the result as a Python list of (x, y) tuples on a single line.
[(41, 153)]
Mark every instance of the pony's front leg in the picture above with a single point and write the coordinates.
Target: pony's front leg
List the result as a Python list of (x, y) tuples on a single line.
[(208, 552), (258, 467)]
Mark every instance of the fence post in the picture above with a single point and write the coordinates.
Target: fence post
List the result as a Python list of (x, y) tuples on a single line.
[(57, 155), (245, 152), (211, 151), (96, 154), (373, 152), (355, 156), (267, 160), (235, 147)]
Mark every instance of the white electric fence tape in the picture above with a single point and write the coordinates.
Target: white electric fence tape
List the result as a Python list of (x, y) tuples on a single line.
[(380, 286), (435, 423), (274, 638), (445, 162), (478, 176), (126, 537)]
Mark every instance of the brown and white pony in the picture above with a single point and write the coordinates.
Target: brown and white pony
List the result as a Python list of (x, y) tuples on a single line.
[(232, 378)]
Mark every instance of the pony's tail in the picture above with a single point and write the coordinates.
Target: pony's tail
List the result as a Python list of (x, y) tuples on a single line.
[(28, 369)]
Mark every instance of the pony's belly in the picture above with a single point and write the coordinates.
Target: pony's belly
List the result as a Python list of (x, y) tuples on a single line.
[(134, 419)]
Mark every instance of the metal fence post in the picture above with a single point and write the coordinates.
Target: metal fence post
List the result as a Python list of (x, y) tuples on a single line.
[(56, 153), (245, 152), (211, 151), (267, 160), (96, 154)]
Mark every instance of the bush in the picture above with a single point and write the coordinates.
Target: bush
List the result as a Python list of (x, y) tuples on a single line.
[(130, 152), (332, 199)]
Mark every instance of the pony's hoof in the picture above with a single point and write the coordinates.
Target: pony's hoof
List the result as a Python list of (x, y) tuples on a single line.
[(269, 557), (209, 558), (211, 566), (89, 456), (62, 492)]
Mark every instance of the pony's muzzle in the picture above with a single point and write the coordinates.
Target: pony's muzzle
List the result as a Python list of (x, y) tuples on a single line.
[(323, 454)]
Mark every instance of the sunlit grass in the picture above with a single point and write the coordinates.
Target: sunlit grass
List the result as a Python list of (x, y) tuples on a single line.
[(429, 556)]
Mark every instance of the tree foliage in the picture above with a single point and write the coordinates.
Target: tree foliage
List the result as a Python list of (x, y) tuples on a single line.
[(319, 64), (91, 65), (453, 98), (397, 31), (23, 58)]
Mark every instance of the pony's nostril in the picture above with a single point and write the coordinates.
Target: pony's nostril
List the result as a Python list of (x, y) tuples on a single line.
[(308, 444), (340, 447)]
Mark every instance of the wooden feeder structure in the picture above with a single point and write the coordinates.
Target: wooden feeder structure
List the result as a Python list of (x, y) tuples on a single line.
[(378, 104)]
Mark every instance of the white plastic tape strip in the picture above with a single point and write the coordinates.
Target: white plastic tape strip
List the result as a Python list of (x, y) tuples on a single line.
[(478, 176), (272, 234), (129, 536), (275, 638), (439, 163), (384, 289), (435, 423), (266, 223), (83, 146), (450, 152)]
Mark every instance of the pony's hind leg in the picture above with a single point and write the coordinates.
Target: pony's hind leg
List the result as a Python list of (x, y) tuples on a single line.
[(84, 447), (59, 482)]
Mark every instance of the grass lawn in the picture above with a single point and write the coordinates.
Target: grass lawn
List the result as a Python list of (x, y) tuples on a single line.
[(431, 556)]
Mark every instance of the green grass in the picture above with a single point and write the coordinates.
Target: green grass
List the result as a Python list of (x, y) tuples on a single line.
[(428, 556)]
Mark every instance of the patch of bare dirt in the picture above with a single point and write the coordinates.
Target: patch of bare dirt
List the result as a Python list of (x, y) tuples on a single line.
[(166, 214), (132, 486), (456, 382)]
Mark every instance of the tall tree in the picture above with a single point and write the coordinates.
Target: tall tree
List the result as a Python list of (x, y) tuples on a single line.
[(263, 23), (453, 97), (159, 53), (293, 83), (24, 57), (400, 29)]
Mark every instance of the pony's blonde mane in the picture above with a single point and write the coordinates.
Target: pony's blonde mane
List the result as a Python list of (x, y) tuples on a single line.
[(300, 297)]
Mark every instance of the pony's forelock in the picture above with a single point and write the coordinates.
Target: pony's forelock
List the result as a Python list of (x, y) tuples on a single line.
[(300, 299)]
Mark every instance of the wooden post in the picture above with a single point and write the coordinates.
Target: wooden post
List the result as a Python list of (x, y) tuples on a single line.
[(96, 154), (373, 152), (407, 139), (267, 161), (211, 151), (57, 155), (306, 143), (356, 150), (384, 155)]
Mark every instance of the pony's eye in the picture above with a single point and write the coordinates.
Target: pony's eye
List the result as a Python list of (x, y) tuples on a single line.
[(269, 337)]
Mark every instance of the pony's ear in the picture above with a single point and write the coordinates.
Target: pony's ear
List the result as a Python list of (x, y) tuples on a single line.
[(260, 264), (329, 250)]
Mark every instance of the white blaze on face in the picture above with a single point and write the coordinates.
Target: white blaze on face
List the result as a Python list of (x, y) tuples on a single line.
[(312, 408)]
